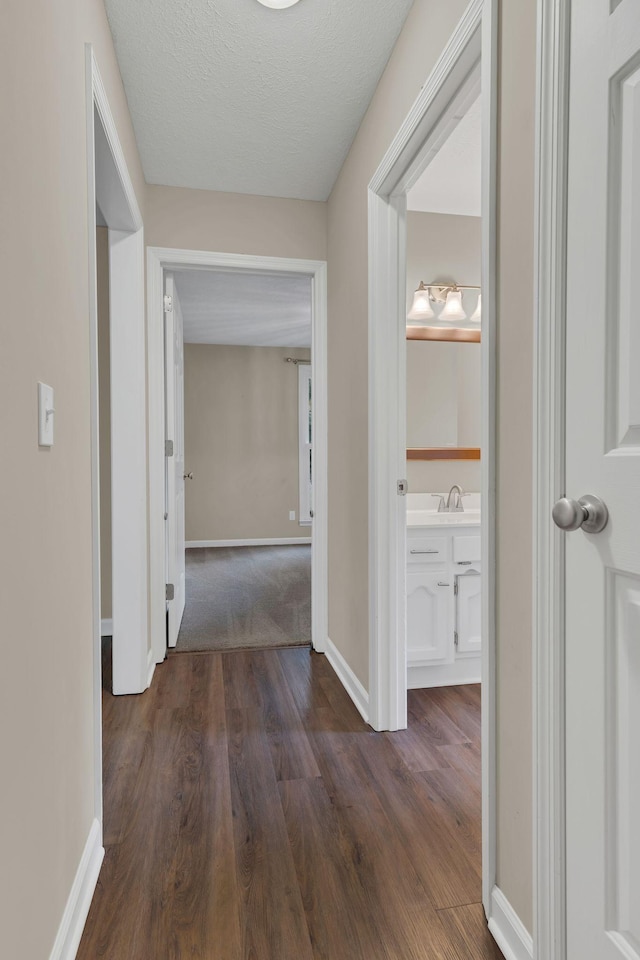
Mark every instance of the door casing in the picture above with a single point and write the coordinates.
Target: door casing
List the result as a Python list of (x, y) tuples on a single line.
[(552, 143), (468, 62), (109, 183), (160, 259)]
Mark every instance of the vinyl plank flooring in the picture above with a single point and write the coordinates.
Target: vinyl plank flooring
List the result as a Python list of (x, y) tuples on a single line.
[(291, 752), (339, 924), (273, 920), (251, 814), (466, 929)]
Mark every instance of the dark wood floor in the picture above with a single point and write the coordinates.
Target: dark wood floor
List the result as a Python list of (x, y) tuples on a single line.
[(250, 814)]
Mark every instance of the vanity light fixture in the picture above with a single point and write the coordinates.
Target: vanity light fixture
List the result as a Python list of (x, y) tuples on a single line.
[(277, 4), (451, 321)]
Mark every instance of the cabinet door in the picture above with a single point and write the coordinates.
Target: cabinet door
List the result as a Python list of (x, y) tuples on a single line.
[(468, 613), (429, 624)]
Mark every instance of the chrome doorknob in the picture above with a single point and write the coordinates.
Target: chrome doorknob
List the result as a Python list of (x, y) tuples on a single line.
[(588, 513)]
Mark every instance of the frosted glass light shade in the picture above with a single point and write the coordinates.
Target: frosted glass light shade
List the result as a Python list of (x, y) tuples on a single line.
[(452, 309), (277, 4), (421, 308), (477, 313)]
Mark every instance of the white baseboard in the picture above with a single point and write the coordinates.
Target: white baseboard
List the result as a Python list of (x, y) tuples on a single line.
[(421, 676), (75, 913), (106, 628), (508, 930), (272, 542), (151, 666), (348, 679)]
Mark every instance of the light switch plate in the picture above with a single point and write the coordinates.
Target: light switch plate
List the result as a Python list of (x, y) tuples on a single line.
[(292, 514), (45, 415)]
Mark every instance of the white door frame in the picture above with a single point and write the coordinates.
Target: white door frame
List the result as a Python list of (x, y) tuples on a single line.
[(470, 59), (552, 115), (160, 259), (109, 183)]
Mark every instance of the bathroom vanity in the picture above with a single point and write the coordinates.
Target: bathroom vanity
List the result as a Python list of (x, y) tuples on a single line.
[(443, 593)]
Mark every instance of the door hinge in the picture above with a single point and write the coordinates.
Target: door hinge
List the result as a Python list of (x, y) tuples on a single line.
[(170, 591), (403, 488), (168, 303), (455, 588), (455, 638), (168, 448)]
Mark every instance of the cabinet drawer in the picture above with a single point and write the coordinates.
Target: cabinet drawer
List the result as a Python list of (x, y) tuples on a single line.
[(426, 549), (466, 550)]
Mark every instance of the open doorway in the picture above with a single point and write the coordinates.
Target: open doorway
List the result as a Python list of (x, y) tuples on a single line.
[(240, 472), (444, 403), (244, 493), (413, 639)]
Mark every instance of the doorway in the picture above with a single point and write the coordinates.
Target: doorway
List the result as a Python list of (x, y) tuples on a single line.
[(239, 410), (236, 463), (467, 67)]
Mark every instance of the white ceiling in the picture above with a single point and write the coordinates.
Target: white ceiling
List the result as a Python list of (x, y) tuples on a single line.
[(245, 309), (451, 182), (230, 95)]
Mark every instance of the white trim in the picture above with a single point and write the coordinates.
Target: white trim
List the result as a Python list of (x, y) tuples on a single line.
[(151, 666), (549, 463), (268, 542), (75, 913), (106, 627), (489, 519), (118, 189), (348, 679), (470, 57), (508, 930), (109, 182), (159, 259)]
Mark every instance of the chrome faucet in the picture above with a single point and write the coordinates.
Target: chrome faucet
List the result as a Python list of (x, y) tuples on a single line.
[(456, 507)]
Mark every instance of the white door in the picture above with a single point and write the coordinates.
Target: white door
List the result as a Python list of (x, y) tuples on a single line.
[(305, 441), (174, 434), (603, 458), (429, 627)]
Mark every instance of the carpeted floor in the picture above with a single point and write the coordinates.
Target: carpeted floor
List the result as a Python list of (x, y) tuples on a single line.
[(239, 597)]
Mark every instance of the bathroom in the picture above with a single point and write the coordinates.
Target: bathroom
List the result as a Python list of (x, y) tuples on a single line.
[(444, 417)]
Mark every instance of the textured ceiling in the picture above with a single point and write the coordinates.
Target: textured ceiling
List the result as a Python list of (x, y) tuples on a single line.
[(245, 309), (452, 181), (230, 95)]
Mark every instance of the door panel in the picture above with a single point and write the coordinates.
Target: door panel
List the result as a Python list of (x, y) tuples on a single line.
[(429, 628), (603, 458), (469, 613)]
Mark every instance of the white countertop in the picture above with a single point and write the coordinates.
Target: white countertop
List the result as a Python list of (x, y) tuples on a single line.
[(422, 511)]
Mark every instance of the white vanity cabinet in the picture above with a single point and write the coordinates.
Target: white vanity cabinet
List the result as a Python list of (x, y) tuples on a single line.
[(443, 605)]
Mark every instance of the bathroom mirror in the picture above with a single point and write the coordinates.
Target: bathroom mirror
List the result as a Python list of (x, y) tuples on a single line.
[(443, 400)]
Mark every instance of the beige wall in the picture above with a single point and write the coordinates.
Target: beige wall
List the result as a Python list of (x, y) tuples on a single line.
[(46, 682), (235, 223), (515, 445), (425, 34), (443, 379), (104, 385), (241, 442)]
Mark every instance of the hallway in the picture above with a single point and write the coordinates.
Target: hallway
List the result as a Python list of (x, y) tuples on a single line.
[(251, 813)]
